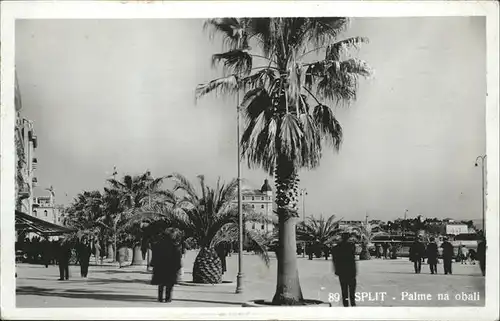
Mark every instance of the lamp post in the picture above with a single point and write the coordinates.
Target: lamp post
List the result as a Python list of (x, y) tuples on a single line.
[(483, 160), (303, 193), (239, 277)]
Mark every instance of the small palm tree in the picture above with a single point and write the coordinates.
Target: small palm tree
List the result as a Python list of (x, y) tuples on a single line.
[(364, 234), (319, 233), (288, 69), (209, 216)]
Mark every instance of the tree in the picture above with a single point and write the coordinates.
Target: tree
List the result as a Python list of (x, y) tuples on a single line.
[(320, 233), (133, 193), (209, 216), (303, 60), (83, 215), (365, 236)]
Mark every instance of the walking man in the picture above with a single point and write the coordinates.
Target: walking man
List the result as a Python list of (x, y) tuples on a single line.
[(166, 262), (432, 255), (345, 268), (84, 252), (447, 255), (416, 253), (64, 254)]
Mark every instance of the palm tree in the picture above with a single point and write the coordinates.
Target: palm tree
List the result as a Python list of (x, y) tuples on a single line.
[(83, 215), (209, 216), (320, 232), (135, 192), (113, 213), (302, 60), (365, 236)]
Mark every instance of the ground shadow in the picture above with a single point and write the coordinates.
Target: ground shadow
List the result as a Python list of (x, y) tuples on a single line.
[(89, 294)]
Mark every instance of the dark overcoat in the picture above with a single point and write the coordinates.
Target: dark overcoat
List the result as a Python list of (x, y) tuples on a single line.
[(432, 253), (166, 262), (344, 260), (417, 251), (447, 250)]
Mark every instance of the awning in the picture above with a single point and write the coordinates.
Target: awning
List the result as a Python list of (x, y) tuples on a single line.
[(26, 223)]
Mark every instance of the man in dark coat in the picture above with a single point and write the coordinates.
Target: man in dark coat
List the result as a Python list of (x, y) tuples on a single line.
[(416, 253), (481, 255), (63, 256), (222, 253), (432, 255), (447, 255), (166, 262), (84, 252), (345, 268)]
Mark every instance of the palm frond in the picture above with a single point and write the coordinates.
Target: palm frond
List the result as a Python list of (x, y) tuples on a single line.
[(231, 29), (221, 86), (235, 61), (329, 126), (334, 51)]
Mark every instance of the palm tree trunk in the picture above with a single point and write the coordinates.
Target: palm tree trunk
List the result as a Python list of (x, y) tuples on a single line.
[(137, 256), (288, 290), (115, 258)]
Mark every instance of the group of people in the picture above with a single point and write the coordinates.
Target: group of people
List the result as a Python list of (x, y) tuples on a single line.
[(58, 252), (386, 250), (418, 251), (344, 261)]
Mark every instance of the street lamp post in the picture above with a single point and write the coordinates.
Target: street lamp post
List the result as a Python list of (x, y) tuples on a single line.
[(239, 277), (303, 193), (483, 160)]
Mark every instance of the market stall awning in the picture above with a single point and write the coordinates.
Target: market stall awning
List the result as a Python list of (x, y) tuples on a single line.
[(26, 223)]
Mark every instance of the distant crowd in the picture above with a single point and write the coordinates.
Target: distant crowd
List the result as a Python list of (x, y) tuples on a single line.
[(60, 252)]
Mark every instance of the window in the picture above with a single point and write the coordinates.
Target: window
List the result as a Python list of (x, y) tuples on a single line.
[(262, 227), (253, 198), (253, 206), (34, 213), (243, 197), (262, 198), (46, 213), (253, 226), (262, 206)]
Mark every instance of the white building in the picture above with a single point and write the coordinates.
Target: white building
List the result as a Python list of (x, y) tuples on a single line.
[(261, 200)]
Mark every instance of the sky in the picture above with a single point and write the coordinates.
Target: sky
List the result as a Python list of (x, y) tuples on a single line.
[(106, 93)]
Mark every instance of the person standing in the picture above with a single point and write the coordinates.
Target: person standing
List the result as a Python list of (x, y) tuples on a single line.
[(447, 255), (432, 255), (45, 249), (166, 263), (64, 254), (416, 253), (221, 253), (481, 255), (344, 264), (84, 252), (464, 254)]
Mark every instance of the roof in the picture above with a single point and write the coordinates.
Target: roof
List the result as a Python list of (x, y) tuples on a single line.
[(28, 223)]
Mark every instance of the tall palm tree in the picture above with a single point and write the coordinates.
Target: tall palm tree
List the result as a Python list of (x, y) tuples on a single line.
[(320, 233), (135, 192), (209, 216), (303, 60)]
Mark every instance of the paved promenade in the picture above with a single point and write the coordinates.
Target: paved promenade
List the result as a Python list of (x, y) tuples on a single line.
[(108, 286)]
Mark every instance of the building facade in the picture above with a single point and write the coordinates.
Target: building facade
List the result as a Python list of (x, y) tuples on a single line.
[(261, 201), (26, 143), (45, 207)]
